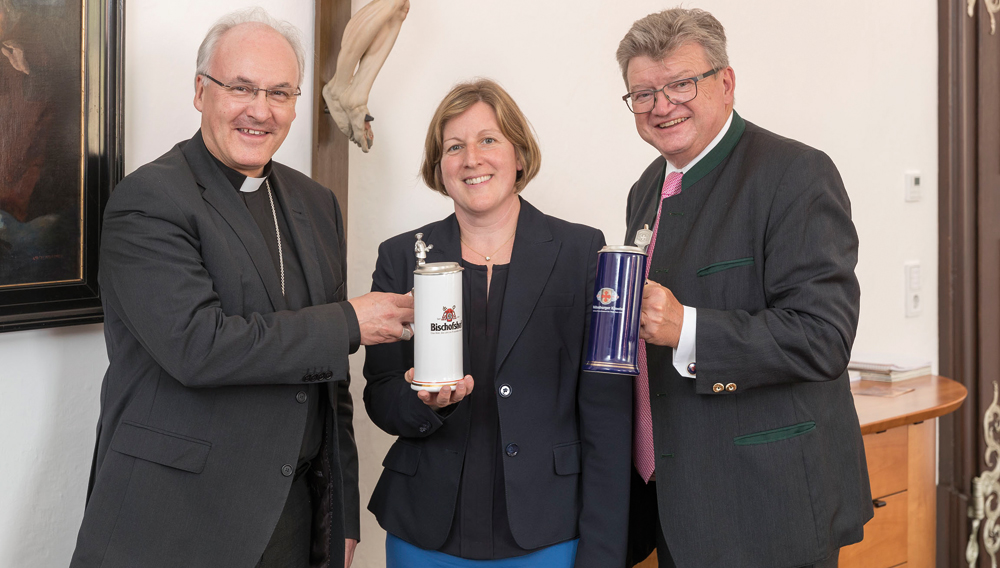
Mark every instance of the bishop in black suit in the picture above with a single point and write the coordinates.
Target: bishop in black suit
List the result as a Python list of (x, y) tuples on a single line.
[(225, 436)]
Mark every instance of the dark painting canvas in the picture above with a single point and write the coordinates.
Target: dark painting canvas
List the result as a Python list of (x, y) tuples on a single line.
[(60, 155), (41, 142)]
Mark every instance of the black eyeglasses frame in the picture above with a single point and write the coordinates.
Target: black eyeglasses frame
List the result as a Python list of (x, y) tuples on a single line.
[(662, 89)]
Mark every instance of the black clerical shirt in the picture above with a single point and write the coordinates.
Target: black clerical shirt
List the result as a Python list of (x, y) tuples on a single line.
[(296, 292)]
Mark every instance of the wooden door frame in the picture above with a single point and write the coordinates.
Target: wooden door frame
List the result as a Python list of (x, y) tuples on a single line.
[(958, 300), (330, 146)]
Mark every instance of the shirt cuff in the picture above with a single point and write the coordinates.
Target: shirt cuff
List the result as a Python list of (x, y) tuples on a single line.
[(684, 354), (354, 328)]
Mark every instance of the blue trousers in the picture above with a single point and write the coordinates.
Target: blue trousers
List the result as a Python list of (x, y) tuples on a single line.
[(401, 554)]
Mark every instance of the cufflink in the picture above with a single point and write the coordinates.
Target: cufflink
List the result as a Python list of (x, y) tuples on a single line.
[(692, 368)]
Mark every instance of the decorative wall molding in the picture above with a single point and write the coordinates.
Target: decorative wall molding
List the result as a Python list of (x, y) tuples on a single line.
[(986, 490), (993, 7)]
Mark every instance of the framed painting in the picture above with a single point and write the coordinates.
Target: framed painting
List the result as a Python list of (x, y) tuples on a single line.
[(61, 93)]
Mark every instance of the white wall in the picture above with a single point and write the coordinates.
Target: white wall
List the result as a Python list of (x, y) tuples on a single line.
[(162, 41), (49, 387), (858, 81)]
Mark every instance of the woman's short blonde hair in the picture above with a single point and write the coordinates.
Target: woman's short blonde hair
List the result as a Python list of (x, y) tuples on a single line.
[(513, 125)]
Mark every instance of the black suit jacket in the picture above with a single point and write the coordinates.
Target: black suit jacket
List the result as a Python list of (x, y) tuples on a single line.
[(770, 471), (202, 406), (570, 475)]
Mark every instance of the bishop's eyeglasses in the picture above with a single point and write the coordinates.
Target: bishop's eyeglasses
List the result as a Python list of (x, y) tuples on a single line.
[(245, 93), (677, 92)]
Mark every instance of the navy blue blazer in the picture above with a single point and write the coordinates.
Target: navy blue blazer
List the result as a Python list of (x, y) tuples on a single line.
[(570, 476)]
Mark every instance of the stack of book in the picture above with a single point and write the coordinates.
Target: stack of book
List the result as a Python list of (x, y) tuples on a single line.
[(888, 367)]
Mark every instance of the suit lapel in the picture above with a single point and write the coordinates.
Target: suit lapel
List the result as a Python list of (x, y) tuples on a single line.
[(531, 262), (447, 240), (303, 237), (221, 195), (648, 201), (654, 194)]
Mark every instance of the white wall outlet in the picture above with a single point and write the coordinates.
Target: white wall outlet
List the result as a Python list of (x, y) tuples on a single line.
[(911, 287), (913, 190)]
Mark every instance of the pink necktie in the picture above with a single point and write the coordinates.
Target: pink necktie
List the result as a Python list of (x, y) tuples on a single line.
[(642, 426)]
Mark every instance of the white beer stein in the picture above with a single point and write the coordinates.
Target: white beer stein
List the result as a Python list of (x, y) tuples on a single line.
[(437, 322)]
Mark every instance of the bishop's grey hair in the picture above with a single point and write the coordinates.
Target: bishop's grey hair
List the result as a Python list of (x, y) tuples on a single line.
[(255, 15)]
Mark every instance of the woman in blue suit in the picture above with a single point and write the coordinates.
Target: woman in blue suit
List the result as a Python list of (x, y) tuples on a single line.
[(532, 468)]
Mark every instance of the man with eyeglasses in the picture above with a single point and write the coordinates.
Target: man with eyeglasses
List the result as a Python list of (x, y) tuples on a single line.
[(225, 437), (746, 443)]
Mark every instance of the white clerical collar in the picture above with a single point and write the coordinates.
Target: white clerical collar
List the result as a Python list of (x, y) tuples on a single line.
[(251, 185), (713, 144)]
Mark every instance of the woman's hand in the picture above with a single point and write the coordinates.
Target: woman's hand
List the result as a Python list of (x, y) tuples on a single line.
[(446, 396)]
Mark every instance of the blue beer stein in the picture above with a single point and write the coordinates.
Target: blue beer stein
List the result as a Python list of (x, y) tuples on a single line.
[(614, 322)]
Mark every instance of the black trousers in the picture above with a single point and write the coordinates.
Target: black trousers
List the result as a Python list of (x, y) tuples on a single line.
[(290, 541)]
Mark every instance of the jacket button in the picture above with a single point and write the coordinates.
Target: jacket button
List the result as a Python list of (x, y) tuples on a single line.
[(301, 397), (512, 450), (424, 427), (287, 470), (718, 387), (504, 391), (731, 387), (692, 368)]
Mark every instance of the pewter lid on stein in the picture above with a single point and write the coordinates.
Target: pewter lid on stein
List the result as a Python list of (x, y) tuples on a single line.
[(622, 248), (420, 249), (642, 239), (432, 268)]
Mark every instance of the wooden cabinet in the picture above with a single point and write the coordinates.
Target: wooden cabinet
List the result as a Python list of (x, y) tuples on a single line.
[(900, 442), (885, 536), (902, 482)]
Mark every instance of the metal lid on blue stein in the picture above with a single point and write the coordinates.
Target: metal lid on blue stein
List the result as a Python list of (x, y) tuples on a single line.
[(622, 248), (642, 239)]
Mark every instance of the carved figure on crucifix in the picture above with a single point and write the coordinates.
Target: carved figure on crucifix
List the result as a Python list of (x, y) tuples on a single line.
[(368, 38)]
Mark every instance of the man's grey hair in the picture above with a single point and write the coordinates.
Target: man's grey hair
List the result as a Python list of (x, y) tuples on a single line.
[(658, 35), (255, 15)]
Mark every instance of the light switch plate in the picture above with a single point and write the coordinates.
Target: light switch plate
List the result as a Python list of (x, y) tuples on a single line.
[(911, 289), (913, 188)]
